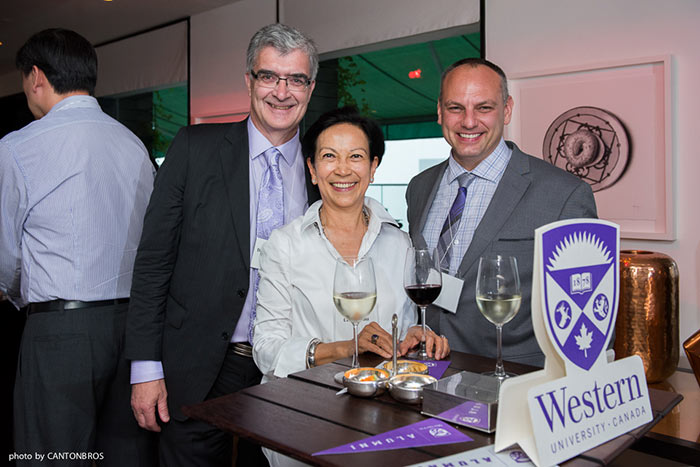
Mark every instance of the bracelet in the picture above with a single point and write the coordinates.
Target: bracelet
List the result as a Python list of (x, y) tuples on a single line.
[(311, 353)]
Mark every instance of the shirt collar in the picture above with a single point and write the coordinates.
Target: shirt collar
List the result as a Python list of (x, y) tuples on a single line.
[(378, 215), (258, 144), (489, 169), (74, 102)]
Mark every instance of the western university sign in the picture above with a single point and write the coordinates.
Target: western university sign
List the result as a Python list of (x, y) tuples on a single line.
[(579, 400)]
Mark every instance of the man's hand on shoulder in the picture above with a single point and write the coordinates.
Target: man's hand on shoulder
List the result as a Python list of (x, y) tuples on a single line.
[(146, 398)]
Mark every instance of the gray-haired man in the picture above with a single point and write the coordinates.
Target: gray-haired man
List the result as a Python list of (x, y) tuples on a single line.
[(193, 294)]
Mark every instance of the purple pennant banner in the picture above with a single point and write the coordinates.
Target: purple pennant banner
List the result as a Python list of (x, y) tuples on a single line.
[(429, 432), (470, 413), (436, 368), (479, 457)]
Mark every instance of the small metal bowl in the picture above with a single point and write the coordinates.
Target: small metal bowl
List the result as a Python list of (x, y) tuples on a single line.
[(407, 366), (408, 387), (366, 381)]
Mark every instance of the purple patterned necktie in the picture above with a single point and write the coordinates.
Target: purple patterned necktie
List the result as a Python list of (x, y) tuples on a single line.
[(270, 213), (449, 228)]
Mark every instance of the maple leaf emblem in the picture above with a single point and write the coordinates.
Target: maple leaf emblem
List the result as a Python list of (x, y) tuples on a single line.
[(583, 340)]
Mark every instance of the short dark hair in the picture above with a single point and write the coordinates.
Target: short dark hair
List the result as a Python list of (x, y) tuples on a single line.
[(67, 59), (350, 115), (475, 62)]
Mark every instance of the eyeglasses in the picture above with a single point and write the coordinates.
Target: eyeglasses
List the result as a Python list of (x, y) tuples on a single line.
[(269, 79)]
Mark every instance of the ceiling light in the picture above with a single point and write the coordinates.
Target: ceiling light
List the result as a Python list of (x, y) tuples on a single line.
[(415, 74)]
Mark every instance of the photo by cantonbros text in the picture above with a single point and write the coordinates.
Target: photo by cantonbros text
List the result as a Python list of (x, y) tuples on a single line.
[(56, 456)]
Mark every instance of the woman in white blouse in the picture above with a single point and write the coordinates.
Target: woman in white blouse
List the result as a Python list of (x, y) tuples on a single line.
[(297, 324)]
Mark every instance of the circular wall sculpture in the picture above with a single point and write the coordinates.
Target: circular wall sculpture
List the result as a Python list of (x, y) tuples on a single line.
[(590, 143)]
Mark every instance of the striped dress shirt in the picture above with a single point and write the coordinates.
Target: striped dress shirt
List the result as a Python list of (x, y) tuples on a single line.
[(487, 176), (74, 186)]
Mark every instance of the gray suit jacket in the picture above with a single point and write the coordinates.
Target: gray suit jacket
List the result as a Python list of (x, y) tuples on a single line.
[(531, 193)]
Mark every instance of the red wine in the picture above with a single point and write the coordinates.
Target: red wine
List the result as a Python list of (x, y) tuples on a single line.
[(423, 295)]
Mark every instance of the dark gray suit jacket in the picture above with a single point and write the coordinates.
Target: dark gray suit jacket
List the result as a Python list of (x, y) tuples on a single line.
[(191, 271), (531, 193)]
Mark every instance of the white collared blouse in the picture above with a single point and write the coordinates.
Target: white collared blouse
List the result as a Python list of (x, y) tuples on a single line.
[(295, 295)]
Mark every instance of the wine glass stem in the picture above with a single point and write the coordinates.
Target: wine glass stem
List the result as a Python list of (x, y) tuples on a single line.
[(355, 355), (500, 371), (422, 339)]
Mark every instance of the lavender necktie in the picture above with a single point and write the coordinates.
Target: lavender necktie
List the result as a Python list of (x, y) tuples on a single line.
[(270, 213), (451, 225)]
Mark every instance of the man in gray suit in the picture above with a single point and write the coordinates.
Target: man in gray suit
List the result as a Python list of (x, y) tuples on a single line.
[(487, 198)]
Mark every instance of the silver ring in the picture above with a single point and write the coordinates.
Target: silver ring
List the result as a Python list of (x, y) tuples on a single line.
[(374, 338), (443, 336)]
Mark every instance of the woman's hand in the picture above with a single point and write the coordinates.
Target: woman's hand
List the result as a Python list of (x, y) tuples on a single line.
[(436, 346), (373, 338), (381, 345)]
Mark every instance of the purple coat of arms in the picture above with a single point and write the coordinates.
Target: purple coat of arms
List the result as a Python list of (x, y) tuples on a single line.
[(581, 274)]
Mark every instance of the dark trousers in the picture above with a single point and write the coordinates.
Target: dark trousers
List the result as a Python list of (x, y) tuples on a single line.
[(191, 442), (72, 392), (12, 328)]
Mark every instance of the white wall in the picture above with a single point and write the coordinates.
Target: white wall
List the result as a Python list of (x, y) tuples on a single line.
[(218, 42), (341, 24), (219, 38), (144, 61), (524, 37)]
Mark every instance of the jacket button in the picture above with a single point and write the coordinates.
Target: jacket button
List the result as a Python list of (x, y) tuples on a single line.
[(241, 293), (224, 336)]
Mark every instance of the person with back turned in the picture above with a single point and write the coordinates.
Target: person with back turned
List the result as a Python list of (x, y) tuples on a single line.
[(74, 186)]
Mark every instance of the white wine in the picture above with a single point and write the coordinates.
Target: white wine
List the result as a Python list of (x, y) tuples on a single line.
[(499, 309), (355, 305)]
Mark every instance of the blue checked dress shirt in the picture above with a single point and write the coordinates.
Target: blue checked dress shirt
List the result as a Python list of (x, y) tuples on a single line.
[(486, 176)]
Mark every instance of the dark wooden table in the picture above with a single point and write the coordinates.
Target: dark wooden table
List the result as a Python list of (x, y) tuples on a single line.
[(680, 429), (302, 414)]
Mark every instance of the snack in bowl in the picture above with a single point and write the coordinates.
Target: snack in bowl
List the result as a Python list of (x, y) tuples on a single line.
[(407, 366), (366, 381)]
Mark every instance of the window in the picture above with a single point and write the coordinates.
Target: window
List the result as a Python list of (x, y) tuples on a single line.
[(153, 116)]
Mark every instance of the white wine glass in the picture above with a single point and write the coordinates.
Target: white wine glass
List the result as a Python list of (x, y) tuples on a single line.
[(498, 298), (422, 282), (354, 293)]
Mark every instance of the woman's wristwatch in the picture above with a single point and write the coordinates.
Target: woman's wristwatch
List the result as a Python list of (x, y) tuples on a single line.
[(311, 353)]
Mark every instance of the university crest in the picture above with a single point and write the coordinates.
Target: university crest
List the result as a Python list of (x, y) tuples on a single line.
[(580, 295)]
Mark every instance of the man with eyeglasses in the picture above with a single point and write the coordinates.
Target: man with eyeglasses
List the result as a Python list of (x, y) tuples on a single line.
[(220, 192)]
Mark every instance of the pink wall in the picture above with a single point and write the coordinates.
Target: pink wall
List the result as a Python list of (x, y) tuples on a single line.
[(218, 41), (524, 37)]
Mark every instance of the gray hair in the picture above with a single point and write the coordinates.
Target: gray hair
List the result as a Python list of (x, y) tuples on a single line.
[(285, 39), (474, 62)]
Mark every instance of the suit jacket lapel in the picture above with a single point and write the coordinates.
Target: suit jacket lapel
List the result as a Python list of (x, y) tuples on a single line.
[(510, 190), (235, 162), (427, 191)]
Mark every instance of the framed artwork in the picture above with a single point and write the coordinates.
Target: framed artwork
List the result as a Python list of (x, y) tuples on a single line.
[(636, 92)]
